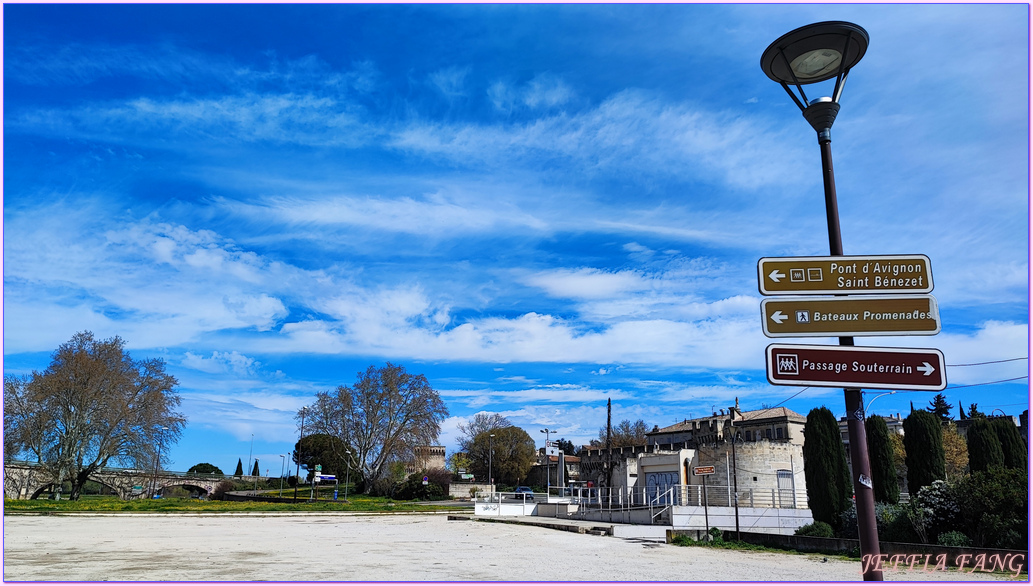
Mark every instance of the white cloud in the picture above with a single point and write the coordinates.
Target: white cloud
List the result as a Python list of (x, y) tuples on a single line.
[(434, 215), (547, 91), (588, 283), (451, 81), (222, 362)]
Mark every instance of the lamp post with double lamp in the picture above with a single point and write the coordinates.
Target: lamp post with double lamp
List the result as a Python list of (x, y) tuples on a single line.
[(548, 463), (811, 54)]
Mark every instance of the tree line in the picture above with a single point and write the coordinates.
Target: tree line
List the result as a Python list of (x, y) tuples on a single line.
[(963, 490)]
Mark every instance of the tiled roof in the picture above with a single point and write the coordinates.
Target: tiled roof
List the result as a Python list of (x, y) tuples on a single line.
[(747, 416)]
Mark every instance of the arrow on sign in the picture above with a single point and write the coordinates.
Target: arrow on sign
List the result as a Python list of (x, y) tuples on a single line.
[(776, 275), (926, 368), (778, 317)]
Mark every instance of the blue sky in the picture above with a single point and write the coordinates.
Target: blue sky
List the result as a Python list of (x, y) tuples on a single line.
[(539, 207)]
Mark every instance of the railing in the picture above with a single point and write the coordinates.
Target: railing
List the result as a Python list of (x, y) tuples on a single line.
[(664, 499), (687, 495)]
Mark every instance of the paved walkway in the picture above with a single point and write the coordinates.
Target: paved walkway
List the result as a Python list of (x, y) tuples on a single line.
[(318, 546)]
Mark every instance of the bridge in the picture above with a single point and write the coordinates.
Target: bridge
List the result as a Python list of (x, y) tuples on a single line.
[(27, 480)]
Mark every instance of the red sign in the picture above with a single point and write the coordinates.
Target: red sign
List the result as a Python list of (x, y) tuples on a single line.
[(919, 369)]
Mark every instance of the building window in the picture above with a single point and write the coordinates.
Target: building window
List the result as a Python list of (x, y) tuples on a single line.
[(778, 433), (767, 433)]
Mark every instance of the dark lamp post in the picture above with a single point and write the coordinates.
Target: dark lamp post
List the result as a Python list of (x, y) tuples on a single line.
[(811, 54), (491, 477)]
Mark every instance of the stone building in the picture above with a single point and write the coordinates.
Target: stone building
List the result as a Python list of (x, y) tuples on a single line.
[(426, 458), (777, 423), (766, 464)]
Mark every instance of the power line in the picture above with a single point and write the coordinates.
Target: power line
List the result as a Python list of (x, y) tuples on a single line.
[(1007, 380), (991, 362)]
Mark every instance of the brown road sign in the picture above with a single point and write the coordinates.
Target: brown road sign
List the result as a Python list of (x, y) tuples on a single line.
[(918, 369), (703, 470), (861, 315), (830, 275)]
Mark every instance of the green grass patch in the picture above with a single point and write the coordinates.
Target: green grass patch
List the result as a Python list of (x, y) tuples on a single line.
[(362, 503), (686, 541)]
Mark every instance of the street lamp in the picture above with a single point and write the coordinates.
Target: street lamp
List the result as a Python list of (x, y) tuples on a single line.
[(157, 461), (548, 463), (491, 479), (735, 476), (297, 470), (282, 456), (811, 54), (348, 475), (876, 397), (250, 451)]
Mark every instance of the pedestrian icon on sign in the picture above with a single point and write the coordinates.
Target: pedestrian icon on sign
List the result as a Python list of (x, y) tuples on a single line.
[(803, 317), (788, 364)]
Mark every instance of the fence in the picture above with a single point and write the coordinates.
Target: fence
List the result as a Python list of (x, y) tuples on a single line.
[(686, 495)]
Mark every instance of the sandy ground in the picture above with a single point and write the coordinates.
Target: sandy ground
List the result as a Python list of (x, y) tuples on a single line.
[(410, 548)]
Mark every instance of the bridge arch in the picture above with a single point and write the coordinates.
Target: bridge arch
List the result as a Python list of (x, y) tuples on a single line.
[(27, 480)]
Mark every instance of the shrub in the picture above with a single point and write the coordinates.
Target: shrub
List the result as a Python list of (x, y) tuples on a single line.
[(994, 507), (435, 489), (953, 539), (716, 535), (940, 503), (816, 529), (891, 522)]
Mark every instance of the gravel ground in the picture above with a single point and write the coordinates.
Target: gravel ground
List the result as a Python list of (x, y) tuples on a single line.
[(410, 548)]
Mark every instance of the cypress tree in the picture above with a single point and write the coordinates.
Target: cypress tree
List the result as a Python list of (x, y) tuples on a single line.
[(923, 444), (240, 469), (984, 449), (254, 471), (828, 481), (880, 456), (1011, 443)]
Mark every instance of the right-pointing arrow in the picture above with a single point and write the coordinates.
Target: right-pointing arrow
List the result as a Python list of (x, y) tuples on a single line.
[(926, 368), (778, 317)]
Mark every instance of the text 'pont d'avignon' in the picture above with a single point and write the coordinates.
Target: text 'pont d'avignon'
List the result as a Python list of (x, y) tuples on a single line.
[(878, 275)]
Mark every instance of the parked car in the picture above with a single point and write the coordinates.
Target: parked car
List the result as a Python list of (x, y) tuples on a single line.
[(524, 493)]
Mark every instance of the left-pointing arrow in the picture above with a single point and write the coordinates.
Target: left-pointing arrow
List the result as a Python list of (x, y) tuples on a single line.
[(778, 317), (775, 275)]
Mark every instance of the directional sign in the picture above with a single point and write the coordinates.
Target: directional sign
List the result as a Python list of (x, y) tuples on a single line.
[(863, 315), (830, 275), (919, 369), (703, 470)]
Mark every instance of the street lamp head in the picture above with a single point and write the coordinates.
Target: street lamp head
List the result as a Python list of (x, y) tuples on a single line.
[(815, 52)]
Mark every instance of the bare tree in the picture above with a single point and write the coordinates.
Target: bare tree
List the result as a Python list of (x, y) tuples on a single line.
[(624, 433), (384, 416), (93, 405)]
